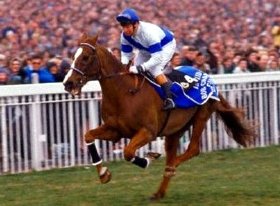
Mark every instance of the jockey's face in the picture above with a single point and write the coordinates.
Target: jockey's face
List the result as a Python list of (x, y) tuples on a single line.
[(129, 29)]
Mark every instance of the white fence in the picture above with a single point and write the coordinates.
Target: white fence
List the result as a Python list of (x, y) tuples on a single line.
[(42, 127)]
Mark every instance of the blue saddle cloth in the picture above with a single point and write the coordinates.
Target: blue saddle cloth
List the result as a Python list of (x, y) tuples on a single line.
[(195, 95)]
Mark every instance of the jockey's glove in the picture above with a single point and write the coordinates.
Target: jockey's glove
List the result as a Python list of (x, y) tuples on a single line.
[(133, 70), (136, 69)]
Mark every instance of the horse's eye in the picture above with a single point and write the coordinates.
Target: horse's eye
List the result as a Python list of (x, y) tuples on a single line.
[(85, 58)]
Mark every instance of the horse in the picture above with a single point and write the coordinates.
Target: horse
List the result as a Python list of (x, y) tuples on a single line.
[(131, 108)]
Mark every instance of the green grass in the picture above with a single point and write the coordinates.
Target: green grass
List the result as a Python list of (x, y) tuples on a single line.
[(233, 177)]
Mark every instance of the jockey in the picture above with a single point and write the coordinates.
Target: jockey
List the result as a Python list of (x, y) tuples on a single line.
[(155, 46)]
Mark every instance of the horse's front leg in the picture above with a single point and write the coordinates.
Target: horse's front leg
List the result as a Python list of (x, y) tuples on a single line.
[(103, 133), (141, 138)]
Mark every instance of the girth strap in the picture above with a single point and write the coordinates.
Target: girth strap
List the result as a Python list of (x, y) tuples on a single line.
[(165, 122)]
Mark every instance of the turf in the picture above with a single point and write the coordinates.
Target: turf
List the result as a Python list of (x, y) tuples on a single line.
[(232, 177)]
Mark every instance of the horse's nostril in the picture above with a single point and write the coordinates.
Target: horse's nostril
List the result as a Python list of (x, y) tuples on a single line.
[(68, 85)]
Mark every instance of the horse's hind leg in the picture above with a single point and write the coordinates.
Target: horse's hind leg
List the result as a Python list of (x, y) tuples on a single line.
[(171, 146), (104, 133), (199, 123)]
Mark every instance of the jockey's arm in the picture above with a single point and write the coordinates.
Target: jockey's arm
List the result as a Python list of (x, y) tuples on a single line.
[(156, 59), (126, 51), (155, 49), (126, 57)]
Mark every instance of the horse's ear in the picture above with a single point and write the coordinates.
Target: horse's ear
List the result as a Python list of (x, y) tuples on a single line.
[(83, 37), (95, 38)]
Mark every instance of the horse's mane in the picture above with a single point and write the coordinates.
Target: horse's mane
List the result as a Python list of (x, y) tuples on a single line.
[(112, 66), (104, 54), (110, 59), (122, 78)]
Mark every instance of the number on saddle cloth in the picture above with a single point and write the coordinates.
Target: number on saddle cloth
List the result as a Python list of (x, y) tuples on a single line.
[(183, 79)]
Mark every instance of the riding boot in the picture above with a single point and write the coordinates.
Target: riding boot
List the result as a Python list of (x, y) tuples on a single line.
[(168, 102)]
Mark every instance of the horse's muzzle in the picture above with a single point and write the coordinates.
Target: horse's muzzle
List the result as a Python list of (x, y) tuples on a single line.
[(68, 86), (72, 88)]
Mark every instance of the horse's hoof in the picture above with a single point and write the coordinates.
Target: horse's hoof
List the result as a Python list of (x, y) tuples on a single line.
[(156, 197), (105, 176), (153, 155)]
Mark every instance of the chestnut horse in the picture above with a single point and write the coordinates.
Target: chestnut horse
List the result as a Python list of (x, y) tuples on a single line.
[(131, 108)]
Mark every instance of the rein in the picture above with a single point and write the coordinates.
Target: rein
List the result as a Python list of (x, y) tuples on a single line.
[(120, 73), (136, 88)]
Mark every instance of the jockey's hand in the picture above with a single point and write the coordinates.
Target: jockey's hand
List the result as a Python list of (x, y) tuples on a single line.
[(136, 69), (133, 70)]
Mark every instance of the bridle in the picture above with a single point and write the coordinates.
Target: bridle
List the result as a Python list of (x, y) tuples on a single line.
[(93, 48), (85, 77), (90, 46)]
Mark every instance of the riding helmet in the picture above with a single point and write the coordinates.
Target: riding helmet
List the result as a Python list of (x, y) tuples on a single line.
[(128, 16)]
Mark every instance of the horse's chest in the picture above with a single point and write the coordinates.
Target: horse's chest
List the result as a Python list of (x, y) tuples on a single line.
[(116, 121)]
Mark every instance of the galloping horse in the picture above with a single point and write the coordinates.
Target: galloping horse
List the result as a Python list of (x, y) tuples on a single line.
[(132, 109)]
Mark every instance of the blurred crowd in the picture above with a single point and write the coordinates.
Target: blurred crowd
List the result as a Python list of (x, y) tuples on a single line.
[(217, 36)]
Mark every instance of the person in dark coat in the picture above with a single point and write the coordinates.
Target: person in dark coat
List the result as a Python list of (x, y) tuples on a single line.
[(37, 67)]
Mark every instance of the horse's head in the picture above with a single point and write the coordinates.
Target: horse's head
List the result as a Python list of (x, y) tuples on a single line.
[(85, 66)]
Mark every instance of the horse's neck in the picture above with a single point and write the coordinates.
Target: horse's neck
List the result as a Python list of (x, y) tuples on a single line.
[(116, 83), (112, 81), (115, 86)]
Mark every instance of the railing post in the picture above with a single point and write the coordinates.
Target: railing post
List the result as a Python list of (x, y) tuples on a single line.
[(261, 117), (71, 133), (4, 137), (274, 101), (35, 122)]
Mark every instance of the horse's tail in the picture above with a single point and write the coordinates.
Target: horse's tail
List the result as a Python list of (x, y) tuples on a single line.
[(241, 130)]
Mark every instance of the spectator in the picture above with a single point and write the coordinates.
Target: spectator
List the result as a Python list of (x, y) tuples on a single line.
[(276, 35), (263, 62), (188, 55), (3, 61), (4, 76), (54, 69), (200, 63), (64, 66), (273, 65), (253, 61), (228, 65), (16, 72), (37, 67), (214, 57), (53, 28), (174, 62), (242, 66), (236, 59)]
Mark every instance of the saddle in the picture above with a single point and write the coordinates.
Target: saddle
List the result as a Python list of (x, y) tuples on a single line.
[(190, 87)]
